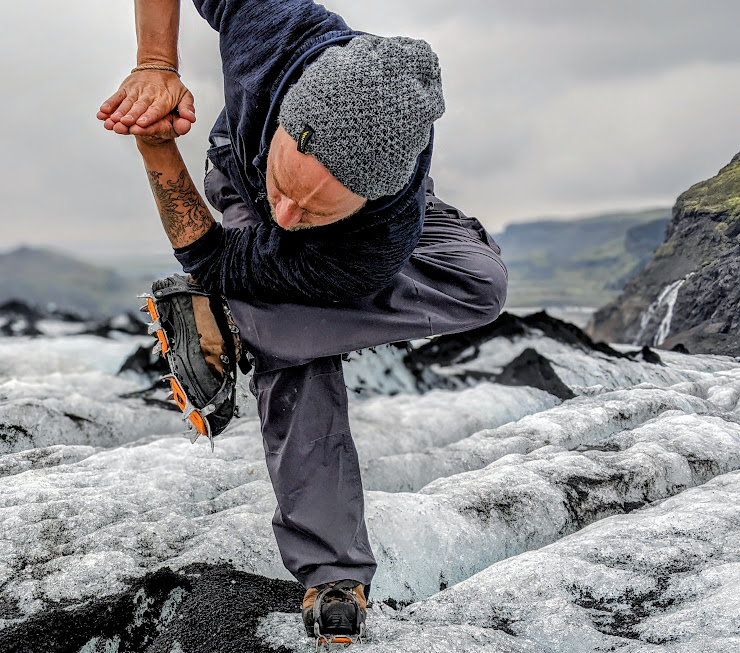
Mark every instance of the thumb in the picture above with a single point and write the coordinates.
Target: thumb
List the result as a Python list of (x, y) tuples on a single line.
[(181, 126), (186, 107)]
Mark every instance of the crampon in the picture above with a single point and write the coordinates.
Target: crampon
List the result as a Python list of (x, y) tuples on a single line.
[(337, 617), (200, 342)]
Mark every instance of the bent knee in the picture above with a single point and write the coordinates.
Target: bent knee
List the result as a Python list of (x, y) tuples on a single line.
[(492, 281)]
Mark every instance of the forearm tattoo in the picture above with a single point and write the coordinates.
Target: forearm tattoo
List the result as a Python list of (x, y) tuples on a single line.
[(184, 215)]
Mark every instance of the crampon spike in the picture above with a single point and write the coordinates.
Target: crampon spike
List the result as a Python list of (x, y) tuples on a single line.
[(335, 642)]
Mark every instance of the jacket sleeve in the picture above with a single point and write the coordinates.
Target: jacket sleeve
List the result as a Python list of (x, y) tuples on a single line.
[(259, 263), (253, 32)]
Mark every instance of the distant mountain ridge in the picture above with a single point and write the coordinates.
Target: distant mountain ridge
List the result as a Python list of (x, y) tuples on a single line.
[(42, 276), (581, 262)]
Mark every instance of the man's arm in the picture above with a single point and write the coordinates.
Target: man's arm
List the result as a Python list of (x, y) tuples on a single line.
[(185, 216), (147, 96)]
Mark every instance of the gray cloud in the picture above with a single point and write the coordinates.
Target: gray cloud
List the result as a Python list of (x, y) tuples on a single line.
[(553, 108)]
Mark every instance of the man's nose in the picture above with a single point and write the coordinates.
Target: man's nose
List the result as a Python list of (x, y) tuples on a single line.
[(287, 213)]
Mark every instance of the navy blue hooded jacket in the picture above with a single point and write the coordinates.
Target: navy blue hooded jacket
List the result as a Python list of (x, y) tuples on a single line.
[(265, 46)]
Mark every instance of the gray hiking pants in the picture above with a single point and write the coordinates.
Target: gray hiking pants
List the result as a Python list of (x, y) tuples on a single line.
[(454, 281)]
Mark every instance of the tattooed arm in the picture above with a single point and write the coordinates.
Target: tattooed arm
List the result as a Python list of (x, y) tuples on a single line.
[(185, 216)]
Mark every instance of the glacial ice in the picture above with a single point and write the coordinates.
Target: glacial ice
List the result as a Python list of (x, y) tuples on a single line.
[(579, 423), (607, 520), (660, 579)]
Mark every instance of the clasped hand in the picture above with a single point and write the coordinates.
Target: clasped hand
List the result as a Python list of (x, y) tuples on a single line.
[(153, 105)]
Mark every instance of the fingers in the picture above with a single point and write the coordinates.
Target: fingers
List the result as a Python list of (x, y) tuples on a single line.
[(162, 129), (153, 113), (123, 109), (112, 125), (111, 104), (186, 107), (138, 108)]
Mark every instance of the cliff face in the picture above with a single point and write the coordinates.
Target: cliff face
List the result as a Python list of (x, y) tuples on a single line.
[(689, 293)]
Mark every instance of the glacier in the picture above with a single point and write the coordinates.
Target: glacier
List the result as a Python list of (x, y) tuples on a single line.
[(503, 518)]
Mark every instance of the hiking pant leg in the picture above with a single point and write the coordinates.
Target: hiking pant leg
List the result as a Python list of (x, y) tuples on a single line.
[(454, 281), (319, 523)]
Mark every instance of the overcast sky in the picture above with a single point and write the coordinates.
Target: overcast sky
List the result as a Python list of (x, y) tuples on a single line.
[(555, 108)]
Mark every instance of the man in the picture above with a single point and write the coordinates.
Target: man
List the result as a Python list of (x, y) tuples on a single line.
[(332, 240)]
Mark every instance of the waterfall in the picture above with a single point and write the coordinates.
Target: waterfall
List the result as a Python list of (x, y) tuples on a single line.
[(667, 298)]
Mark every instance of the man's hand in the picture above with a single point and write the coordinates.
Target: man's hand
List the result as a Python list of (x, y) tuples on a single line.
[(144, 100), (160, 132)]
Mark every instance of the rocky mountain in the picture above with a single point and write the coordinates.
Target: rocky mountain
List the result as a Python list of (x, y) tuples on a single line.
[(42, 276), (689, 293), (583, 262)]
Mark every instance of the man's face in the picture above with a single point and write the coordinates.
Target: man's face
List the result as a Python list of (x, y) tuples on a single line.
[(302, 193)]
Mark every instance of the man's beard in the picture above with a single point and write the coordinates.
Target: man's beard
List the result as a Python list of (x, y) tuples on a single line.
[(295, 227)]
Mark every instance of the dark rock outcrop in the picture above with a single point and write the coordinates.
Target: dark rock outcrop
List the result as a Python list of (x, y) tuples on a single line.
[(460, 347), (204, 608), (19, 319), (143, 361), (647, 355), (534, 370), (530, 368), (689, 293), (128, 323)]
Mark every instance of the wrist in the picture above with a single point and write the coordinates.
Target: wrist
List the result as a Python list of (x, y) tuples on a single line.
[(153, 147), (157, 60), (148, 67)]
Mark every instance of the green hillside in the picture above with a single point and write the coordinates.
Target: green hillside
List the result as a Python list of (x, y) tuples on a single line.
[(583, 262)]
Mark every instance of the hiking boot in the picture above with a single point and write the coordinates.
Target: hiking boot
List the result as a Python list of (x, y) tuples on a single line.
[(335, 609), (200, 342)]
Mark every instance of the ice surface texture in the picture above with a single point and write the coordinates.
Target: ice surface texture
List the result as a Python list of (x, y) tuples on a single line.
[(502, 518), (662, 579)]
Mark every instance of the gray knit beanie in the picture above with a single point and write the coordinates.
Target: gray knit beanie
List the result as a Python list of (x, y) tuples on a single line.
[(365, 111)]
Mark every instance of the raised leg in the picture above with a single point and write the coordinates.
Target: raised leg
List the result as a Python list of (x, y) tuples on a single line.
[(454, 281)]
